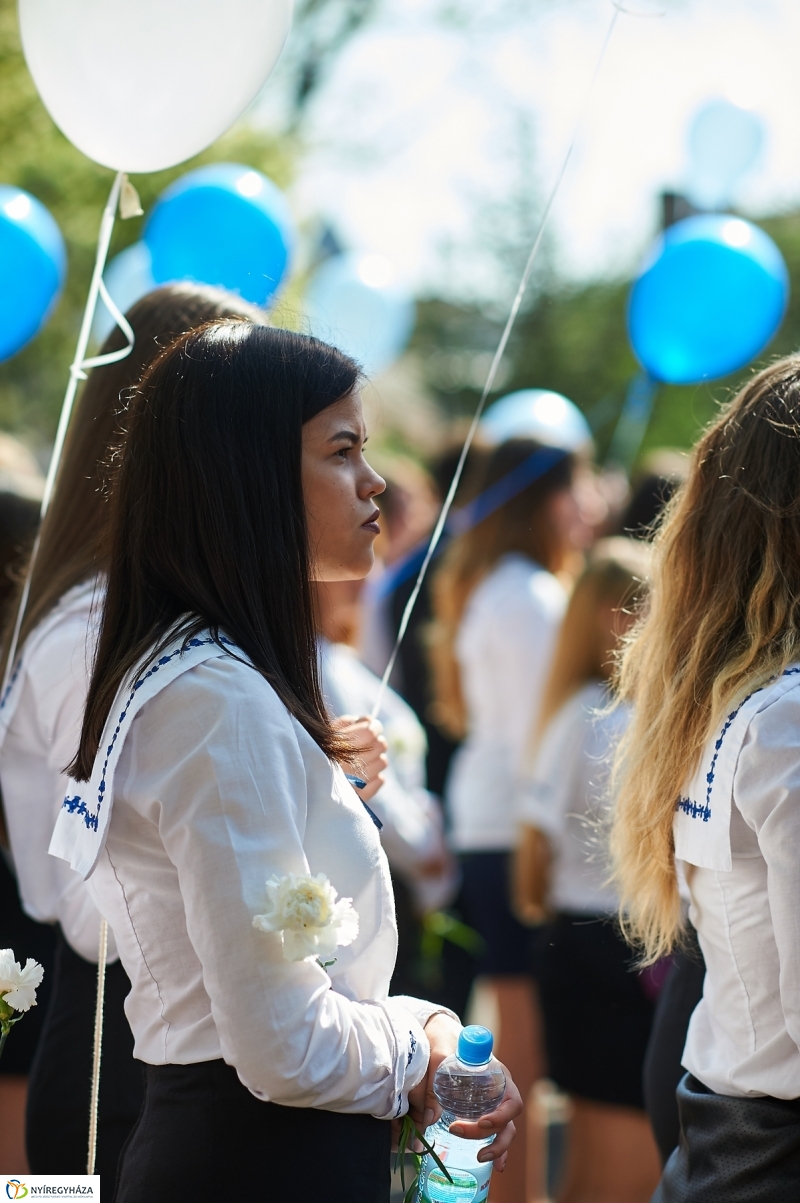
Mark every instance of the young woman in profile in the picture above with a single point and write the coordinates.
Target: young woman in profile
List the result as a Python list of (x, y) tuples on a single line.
[(241, 480), (709, 775), (40, 721)]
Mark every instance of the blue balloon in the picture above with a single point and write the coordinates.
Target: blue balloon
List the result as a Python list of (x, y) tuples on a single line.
[(226, 225), (710, 296), (33, 267)]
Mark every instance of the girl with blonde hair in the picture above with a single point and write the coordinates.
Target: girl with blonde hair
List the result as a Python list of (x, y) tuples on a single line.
[(709, 775), (597, 1010)]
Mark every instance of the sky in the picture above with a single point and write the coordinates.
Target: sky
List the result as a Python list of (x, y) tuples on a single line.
[(443, 125)]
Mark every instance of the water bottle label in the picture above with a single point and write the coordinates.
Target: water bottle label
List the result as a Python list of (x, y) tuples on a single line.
[(465, 1187)]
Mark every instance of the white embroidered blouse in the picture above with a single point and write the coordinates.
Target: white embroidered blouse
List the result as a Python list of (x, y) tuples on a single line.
[(205, 787), (737, 832), (40, 723)]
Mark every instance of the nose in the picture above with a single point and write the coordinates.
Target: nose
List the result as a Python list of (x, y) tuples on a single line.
[(373, 484)]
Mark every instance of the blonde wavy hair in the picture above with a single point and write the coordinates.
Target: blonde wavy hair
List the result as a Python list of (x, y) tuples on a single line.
[(723, 617), (615, 578)]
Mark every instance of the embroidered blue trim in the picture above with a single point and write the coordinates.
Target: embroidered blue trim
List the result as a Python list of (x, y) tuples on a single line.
[(11, 681), (412, 1049), (77, 805), (399, 1104), (693, 809)]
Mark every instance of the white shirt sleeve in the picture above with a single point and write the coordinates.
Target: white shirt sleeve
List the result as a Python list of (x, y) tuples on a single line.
[(42, 740), (215, 765), (767, 794)]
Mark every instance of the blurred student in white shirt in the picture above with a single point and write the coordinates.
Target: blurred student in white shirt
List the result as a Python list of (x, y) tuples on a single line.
[(40, 720), (709, 775), (597, 1009), (412, 831), (498, 606)]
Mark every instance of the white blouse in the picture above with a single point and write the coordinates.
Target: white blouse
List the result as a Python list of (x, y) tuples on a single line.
[(504, 647), (737, 830), (412, 832), (565, 798), (203, 789), (40, 723)]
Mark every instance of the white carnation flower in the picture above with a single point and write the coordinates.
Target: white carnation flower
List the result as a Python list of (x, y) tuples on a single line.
[(18, 986), (304, 910)]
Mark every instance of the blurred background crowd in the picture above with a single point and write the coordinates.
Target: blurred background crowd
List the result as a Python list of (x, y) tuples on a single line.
[(491, 811)]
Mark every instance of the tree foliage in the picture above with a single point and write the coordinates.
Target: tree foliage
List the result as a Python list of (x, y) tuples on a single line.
[(574, 340), (36, 156)]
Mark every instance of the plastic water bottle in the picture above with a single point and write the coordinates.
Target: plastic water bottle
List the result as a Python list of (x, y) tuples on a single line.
[(468, 1084)]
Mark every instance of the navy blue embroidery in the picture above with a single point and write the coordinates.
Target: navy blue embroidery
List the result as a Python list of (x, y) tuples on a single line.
[(77, 805), (412, 1049), (693, 809), (399, 1104)]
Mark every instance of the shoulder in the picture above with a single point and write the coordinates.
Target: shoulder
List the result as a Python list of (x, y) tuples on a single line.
[(223, 685), (771, 716), (518, 587), (62, 644), (584, 723)]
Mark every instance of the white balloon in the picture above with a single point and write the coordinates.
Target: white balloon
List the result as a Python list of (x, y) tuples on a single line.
[(128, 277), (140, 85), (535, 413)]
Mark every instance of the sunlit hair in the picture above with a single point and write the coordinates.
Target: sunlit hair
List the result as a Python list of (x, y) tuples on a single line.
[(521, 525), (70, 550), (585, 650), (723, 617)]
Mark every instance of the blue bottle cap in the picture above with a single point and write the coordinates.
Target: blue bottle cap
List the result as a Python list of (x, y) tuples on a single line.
[(475, 1045)]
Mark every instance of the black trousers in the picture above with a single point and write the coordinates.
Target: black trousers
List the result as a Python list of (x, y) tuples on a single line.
[(679, 996), (201, 1133), (733, 1150), (57, 1117)]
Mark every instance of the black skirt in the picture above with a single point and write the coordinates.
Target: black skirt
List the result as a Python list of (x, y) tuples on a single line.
[(486, 904), (733, 1150), (679, 996), (202, 1133), (597, 1017), (57, 1116)]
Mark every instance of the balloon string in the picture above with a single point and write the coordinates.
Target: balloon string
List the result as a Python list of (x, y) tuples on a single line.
[(490, 379), (97, 1047), (76, 372)]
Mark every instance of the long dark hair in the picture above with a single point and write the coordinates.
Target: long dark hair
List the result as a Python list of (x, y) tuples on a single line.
[(70, 542), (207, 523)]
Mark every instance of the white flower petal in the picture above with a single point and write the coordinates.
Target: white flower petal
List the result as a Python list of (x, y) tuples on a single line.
[(304, 909), (18, 986)]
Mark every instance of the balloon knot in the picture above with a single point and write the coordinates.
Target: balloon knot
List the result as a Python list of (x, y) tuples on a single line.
[(129, 203)]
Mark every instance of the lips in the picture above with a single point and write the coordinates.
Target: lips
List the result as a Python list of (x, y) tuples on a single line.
[(372, 523)]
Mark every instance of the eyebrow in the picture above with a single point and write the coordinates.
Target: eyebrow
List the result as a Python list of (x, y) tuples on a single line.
[(349, 435)]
